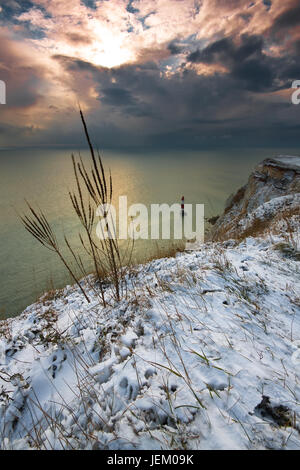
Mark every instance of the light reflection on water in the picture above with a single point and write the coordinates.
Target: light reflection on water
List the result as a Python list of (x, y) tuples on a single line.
[(44, 177)]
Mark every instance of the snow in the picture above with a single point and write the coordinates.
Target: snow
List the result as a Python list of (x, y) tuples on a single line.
[(182, 363), (270, 209), (285, 161)]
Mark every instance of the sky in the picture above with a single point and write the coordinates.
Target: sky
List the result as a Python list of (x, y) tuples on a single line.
[(150, 73)]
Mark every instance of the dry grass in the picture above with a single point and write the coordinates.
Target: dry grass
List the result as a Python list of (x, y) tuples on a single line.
[(168, 251), (236, 199), (50, 296), (93, 189), (278, 224), (5, 330)]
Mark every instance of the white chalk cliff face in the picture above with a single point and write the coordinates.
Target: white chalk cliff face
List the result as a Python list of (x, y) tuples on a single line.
[(271, 195)]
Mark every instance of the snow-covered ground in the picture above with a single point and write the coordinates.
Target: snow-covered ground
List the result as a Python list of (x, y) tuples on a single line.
[(202, 354)]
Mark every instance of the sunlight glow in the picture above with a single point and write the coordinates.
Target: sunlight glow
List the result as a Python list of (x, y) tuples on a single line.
[(107, 48)]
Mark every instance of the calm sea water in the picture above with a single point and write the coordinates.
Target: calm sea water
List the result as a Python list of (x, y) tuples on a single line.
[(44, 176)]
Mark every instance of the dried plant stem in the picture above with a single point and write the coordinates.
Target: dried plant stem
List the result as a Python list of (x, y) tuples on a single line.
[(38, 226), (93, 189)]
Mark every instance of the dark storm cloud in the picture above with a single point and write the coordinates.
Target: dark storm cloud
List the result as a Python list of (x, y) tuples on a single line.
[(297, 47), (225, 51), (70, 63), (22, 81), (26, 95), (175, 48), (287, 19), (255, 75), (248, 64), (123, 100), (128, 90), (185, 109), (116, 96), (216, 52)]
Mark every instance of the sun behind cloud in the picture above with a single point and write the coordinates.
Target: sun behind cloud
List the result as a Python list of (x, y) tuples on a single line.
[(154, 68)]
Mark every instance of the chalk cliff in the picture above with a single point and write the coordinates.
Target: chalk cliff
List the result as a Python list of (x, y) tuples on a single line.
[(269, 200)]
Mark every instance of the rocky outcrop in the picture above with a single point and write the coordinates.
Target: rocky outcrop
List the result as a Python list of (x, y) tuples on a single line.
[(271, 194)]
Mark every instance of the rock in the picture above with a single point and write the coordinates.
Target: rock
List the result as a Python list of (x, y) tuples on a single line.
[(279, 414), (213, 220), (273, 188)]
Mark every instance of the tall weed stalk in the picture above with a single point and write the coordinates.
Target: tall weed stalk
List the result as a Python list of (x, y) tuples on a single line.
[(93, 189)]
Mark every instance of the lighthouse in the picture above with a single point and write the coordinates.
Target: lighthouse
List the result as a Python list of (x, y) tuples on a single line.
[(182, 206)]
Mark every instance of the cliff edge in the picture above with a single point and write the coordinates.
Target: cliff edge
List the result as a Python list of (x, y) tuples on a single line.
[(267, 203)]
